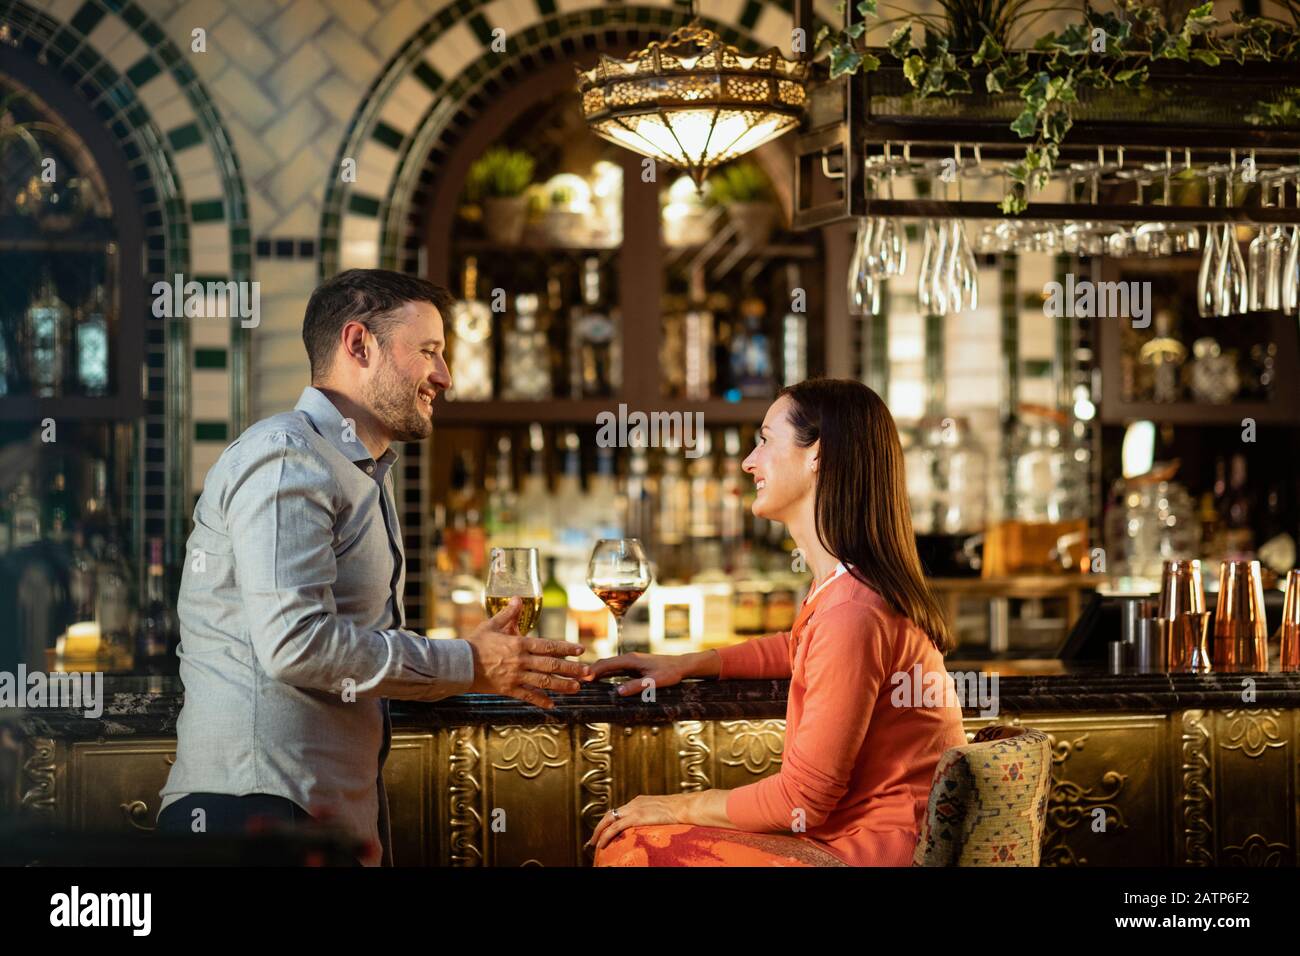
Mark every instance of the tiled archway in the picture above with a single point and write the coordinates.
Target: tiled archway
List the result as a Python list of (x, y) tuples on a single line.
[(188, 182)]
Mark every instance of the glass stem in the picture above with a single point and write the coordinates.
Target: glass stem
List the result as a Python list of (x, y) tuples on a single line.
[(618, 631)]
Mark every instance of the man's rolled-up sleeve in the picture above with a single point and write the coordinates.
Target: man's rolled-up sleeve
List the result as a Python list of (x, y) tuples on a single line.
[(281, 516)]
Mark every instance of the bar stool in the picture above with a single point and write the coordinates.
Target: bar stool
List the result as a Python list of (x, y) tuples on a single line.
[(988, 801)]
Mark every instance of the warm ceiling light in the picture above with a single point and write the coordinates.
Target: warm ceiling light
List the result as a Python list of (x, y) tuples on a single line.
[(693, 101)]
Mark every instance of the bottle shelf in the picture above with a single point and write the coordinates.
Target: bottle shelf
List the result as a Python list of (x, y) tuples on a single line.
[(716, 411)]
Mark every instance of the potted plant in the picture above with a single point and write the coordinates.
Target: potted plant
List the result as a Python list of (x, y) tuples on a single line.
[(499, 179), (746, 193)]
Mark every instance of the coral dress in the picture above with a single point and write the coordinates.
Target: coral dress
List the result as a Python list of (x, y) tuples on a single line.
[(861, 745)]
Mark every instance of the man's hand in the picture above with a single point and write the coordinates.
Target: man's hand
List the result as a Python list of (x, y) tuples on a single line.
[(506, 663)]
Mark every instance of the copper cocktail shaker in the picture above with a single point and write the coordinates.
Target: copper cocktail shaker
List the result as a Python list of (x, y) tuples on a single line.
[(1290, 630), (1240, 628), (1181, 617)]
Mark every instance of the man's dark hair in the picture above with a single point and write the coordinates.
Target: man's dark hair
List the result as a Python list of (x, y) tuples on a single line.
[(368, 296)]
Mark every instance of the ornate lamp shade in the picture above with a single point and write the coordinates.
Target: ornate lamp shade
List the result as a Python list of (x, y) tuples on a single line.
[(693, 101)]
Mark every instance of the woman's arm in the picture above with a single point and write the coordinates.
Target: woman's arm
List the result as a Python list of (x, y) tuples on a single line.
[(756, 659)]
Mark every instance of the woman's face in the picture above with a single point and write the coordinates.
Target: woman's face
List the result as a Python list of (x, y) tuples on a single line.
[(784, 474)]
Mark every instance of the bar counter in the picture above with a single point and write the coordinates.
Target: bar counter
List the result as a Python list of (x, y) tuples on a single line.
[(1148, 769)]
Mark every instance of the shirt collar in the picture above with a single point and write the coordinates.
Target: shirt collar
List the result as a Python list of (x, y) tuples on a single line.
[(328, 422)]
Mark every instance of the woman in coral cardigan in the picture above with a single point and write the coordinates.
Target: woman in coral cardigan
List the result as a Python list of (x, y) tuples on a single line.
[(860, 746)]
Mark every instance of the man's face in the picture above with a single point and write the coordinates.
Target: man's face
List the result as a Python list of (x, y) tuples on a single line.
[(409, 373)]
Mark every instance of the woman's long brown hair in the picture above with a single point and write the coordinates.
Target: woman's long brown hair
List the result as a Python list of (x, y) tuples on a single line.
[(860, 502)]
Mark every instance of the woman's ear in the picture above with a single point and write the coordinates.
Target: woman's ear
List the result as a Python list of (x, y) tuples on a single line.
[(816, 453)]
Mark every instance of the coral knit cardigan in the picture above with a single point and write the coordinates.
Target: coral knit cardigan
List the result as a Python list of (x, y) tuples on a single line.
[(856, 770)]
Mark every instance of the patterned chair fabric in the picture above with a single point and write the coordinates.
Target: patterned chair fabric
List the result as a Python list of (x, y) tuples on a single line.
[(988, 801)]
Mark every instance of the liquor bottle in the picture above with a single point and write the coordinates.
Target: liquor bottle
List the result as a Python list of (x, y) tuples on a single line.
[(535, 524), (715, 587), (501, 519), (113, 602), (794, 331), (674, 499), (751, 360), (639, 494), (591, 340), (572, 542), (6, 527), (697, 342), (719, 306), (732, 509), (1240, 535), (442, 569), (554, 625), (92, 344), (46, 333), (467, 536), (26, 515), (705, 491), (58, 508), (672, 347), (606, 509), (471, 348), (556, 332), (96, 512), (159, 632), (526, 357), (466, 598)]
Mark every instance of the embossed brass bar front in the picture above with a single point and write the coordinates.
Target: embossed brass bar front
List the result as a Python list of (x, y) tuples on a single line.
[(1147, 785)]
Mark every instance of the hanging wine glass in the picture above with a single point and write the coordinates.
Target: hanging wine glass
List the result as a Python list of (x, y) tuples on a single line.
[(862, 286), (1231, 293), (1206, 304)]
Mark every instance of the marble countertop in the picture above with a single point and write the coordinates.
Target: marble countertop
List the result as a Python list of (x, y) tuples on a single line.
[(150, 705)]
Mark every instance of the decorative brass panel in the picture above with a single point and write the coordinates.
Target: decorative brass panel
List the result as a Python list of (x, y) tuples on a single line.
[(461, 753), (1195, 819), (532, 776), (1109, 798), (595, 782), (39, 778), (1255, 792), (409, 781), (1193, 787), (113, 785)]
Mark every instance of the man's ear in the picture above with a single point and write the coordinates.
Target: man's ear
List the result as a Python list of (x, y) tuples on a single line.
[(355, 339)]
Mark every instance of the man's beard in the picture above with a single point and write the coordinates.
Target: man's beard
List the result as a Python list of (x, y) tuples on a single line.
[(396, 405)]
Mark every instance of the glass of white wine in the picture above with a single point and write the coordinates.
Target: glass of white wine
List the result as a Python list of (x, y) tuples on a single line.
[(513, 572)]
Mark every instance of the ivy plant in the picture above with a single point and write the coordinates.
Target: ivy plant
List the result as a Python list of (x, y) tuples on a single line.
[(1102, 51)]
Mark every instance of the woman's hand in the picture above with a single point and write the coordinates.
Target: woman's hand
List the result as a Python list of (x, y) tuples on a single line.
[(662, 670), (642, 811)]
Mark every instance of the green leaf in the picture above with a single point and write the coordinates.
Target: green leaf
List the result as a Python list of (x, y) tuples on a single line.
[(866, 8), (1025, 123), (844, 59), (990, 51), (1013, 204), (870, 63), (901, 41), (1208, 57), (855, 30), (914, 69), (958, 82)]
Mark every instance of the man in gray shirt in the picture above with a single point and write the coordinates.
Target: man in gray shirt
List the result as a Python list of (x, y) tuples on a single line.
[(290, 604)]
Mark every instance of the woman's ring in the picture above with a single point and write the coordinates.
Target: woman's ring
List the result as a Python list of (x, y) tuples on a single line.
[(614, 813)]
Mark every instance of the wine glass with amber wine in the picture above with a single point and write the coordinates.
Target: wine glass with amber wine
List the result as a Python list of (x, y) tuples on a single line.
[(618, 574), (512, 572)]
